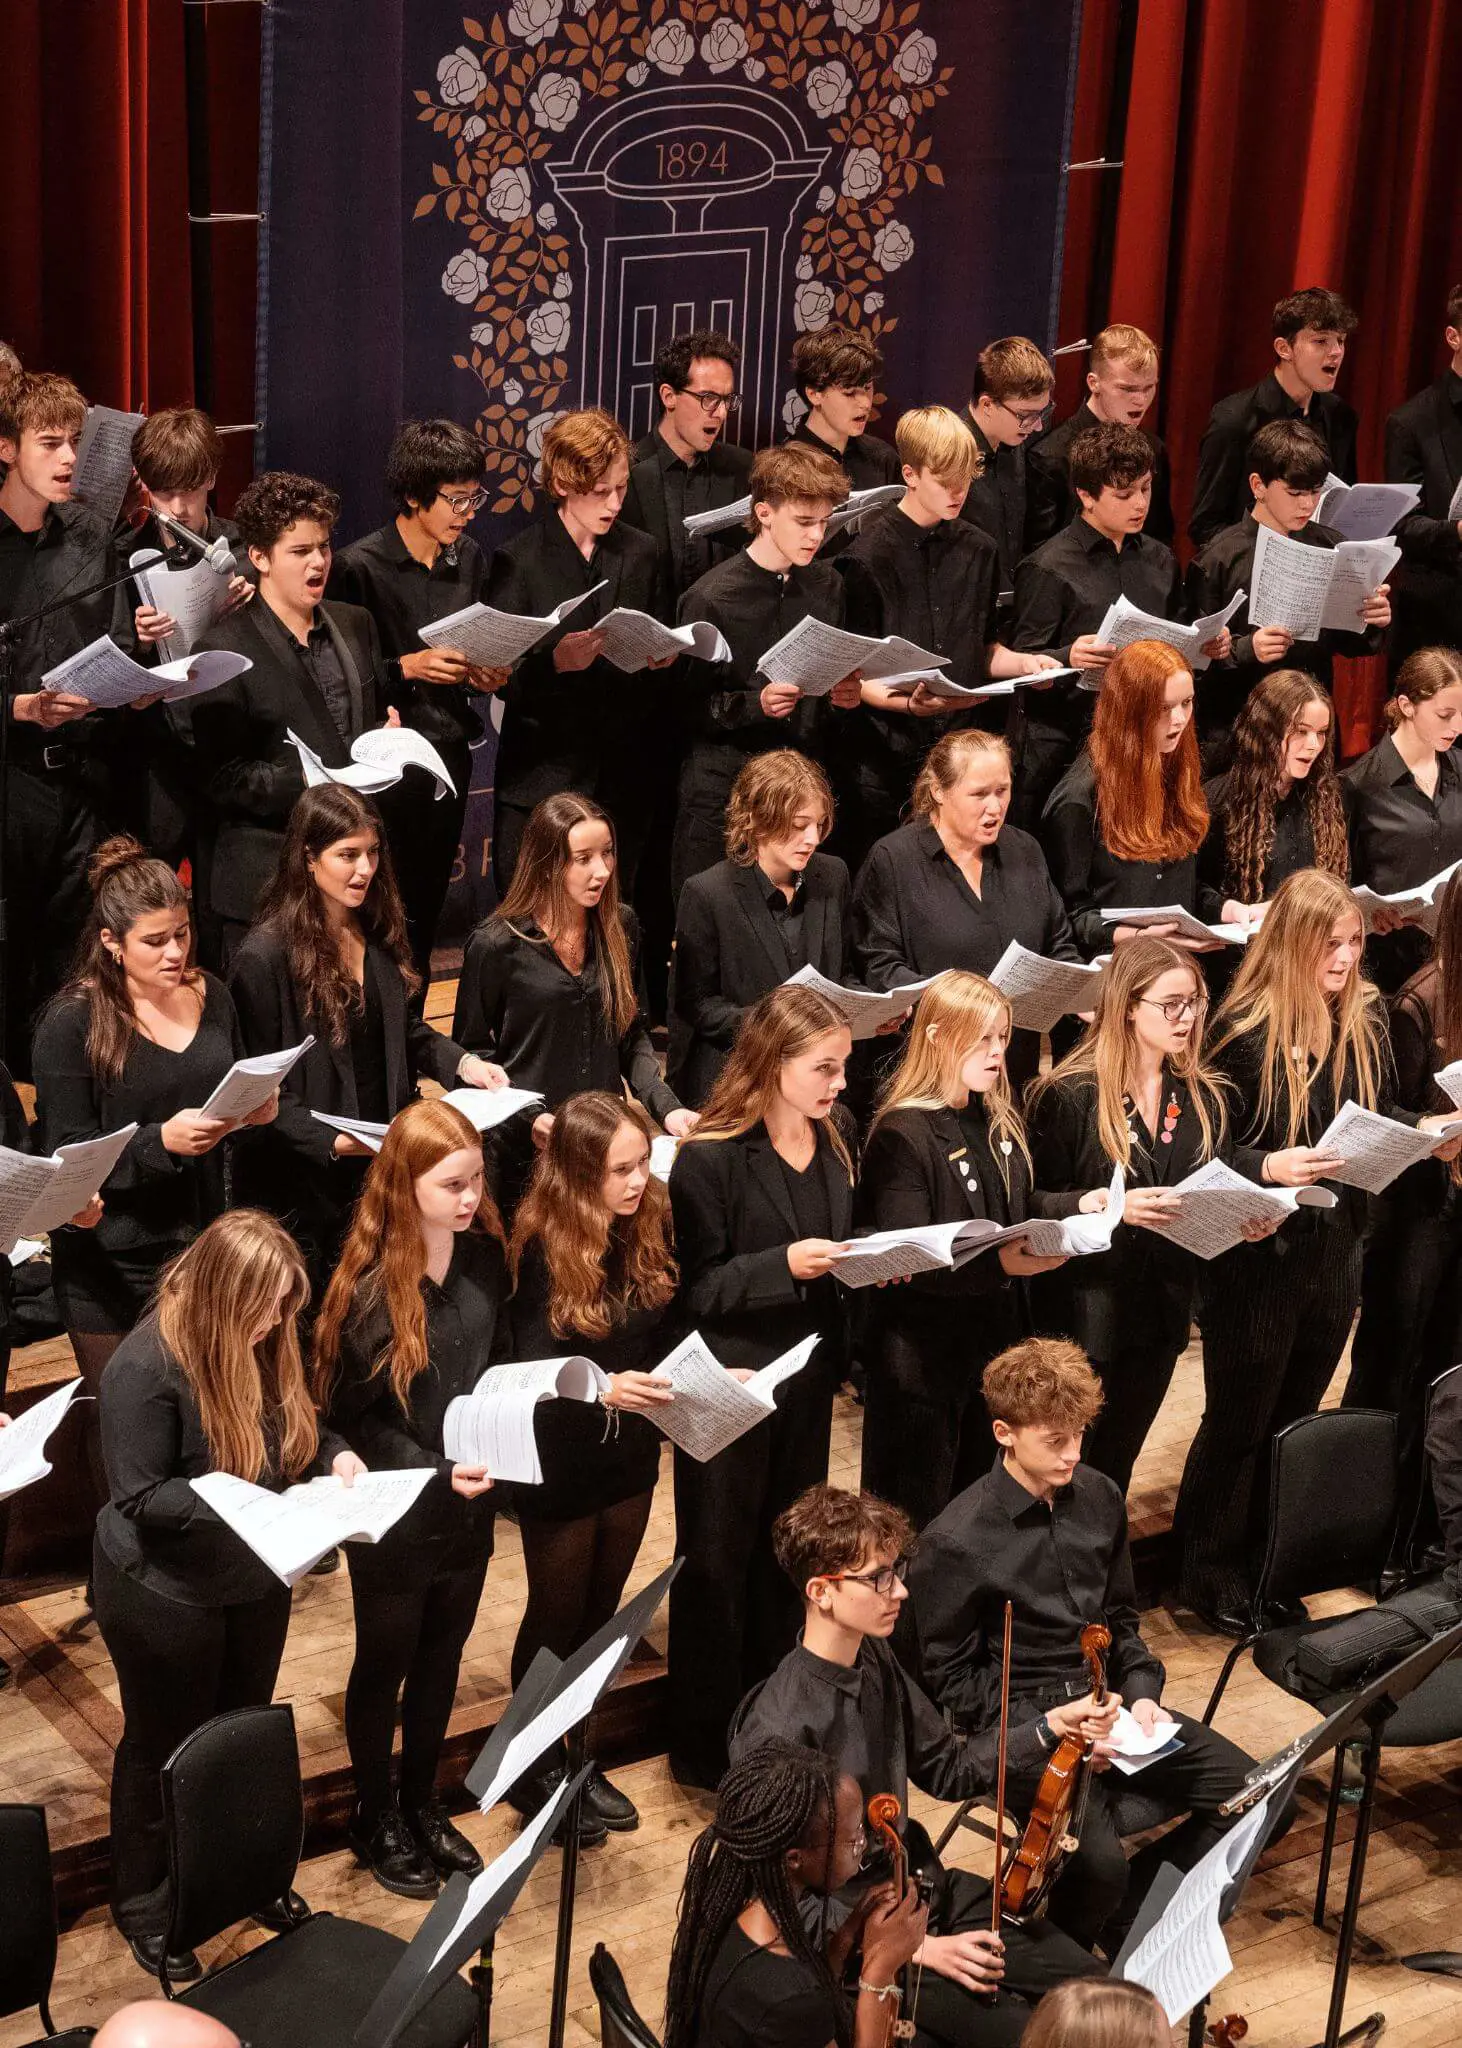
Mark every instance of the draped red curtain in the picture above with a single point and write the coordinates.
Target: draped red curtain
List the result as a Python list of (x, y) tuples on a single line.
[(1268, 147)]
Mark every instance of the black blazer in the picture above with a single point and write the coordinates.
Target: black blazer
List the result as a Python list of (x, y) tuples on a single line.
[(249, 772), (1424, 447), (734, 1220), (728, 954)]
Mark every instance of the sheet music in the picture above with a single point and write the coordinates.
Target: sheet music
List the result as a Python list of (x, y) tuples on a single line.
[(39, 1194), (712, 1408), (1375, 1148), (498, 1875), (939, 685), (856, 507), (885, 1255), (493, 639), (1419, 903), (493, 1425), (662, 1155), (24, 1250), (379, 759), (1217, 1202), (863, 1010), (1040, 991), (249, 1083), (1361, 566), (1124, 623), (1189, 926), (486, 1108), (195, 598), (291, 1531), (1185, 1955), (1454, 509), (816, 657), (23, 1457), (632, 640), (109, 679), (104, 460), (720, 518), (1134, 1751), (354, 1127), (1078, 1237), (1365, 511), (1449, 1080), (1291, 584), (564, 1711)]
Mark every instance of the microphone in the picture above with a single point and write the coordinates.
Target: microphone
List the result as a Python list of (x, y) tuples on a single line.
[(216, 553)]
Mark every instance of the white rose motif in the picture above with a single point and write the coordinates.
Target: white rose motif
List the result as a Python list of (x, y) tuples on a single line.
[(509, 195), (536, 431), (804, 266), (873, 302), (825, 198), (862, 174), (794, 411), (465, 277), (637, 74), (563, 286), (670, 47), (460, 78), (483, 334), (812, 306), (914, 63), (723, 44), (892, 245), (512, 392), (548, 328), (554, 100), (898, 106), (547, 215), (753, 69), (534, 20), (856, 13), (828, 87), (473, 129)]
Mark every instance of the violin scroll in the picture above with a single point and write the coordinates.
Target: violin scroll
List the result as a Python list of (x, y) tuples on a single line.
[(1232, 2027)]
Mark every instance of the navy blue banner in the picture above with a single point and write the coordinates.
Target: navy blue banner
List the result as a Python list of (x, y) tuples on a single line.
[(501, 214)]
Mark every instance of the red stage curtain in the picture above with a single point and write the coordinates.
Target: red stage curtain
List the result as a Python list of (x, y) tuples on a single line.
[(1269, 147)]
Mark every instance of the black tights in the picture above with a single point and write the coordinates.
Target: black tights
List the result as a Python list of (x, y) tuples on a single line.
[(94, 1350), (576, 1573)]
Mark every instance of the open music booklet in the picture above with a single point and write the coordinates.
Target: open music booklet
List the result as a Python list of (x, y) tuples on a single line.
[(1376, 1148), (249, 1083), (1041, 992), (1308, 590), (865, 1011), (1418, 905), (1217, 1203), (493, 1425), (885, 1255), (816, 657), (378, 760), (1124, 623), (38, 1193), (23, 1441), (291, 1531), (632, 640), (107, 677), (194, 598), (712, 1407), (493, 639)]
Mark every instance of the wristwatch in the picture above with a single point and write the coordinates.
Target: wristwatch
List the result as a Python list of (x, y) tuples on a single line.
[(1046, 1735)]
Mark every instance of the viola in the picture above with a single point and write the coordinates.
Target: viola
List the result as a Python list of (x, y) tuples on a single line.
[(884, 1812), (1059, 1807)]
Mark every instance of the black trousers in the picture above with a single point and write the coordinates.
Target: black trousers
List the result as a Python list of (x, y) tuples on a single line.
[(426, 843), (1037, 1959), (177, 1666), (706, 776), (414, 1611), (51, 833), (1275, 1319), (926, 1433), (1135, 1381), (733, 1613)]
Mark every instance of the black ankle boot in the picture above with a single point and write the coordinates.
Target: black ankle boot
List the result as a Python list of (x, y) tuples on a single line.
[(607, 1803), (443, 1845), (389, 1851)]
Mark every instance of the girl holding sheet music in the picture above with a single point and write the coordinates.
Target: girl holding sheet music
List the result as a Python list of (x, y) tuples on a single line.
[(594, 1275), (327, 957), (1405, 803), (762, 1194), (1300, 1033), (946, 1144), (193, 1621), (413, 1316)]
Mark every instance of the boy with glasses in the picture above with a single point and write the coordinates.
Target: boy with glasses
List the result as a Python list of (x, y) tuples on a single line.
[(842, 1691), (1010, 499)]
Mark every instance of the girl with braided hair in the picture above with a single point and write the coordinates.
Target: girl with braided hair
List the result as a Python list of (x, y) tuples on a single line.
[(744, 1968)]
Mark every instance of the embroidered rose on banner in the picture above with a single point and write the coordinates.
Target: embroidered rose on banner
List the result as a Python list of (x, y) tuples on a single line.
[(914, 63), (513, 392), (555, 100), (473, 129), (862, 174), (670, 47), (892, 245), (828, 87), (548, 328), (466, 277), (794, 411), (813, 306), (509, 193), (460, 78), (724, 44), (534, 20), (483, 334), (536, 431), (856, 13)]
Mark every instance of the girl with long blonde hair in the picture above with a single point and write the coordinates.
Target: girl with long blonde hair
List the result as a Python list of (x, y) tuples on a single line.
[(762, 1195), (211, 1381), (412, 1317), (593, 1266), (1300, 1033), (947, 1143)]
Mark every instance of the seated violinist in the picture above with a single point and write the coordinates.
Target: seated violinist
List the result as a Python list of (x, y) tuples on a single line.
[(841, 1691), (1049, 1534)]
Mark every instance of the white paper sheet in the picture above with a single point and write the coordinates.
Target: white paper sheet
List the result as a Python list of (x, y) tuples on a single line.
[(856, 507), (1375, 1148), (39, 1194), (1454, 509), (493, 1425), (939, 685), (1189, 926), (486, 1108), (1124, 623), (24, 1250), (23, 1457), (249, 1083), (291, 1531), (378, 760), (1418, 904), (864, 1010), (816, 657), (662, 1155), (884, 1255), (1134, 1751), (493, 639), (1079, 1237), (1365, 511), (109, 679), (1306, 589), (563, 1712), (1217, 1202), (194, 597), (1361, 566), (1040, 991), (632, 640), (354, 1127), (1449, 1080), (712, 1408), (1185, 1955), (720, 519), (104, 460), (498, 1875)]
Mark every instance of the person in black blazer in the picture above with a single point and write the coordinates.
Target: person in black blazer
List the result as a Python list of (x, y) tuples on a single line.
[(412, 1317), (193, 1621), (762, 1196), (1424, 448), (328, 959), (593, 1267), (946, 1144), (774, 905), (318, 672), (957, 884), (571, 719)]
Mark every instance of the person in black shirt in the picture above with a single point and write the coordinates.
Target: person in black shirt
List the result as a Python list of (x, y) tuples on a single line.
[(836, 372), (1048, 1535), (1310, 330), (327, 959), (1009, 499), (745, 1972), (571, 719), (60, 786), (1424, 448), (1405, 803), (1287, 469), (1121, 384), (686, 465), (412, 1317), (841, 1691), (762, 1196), (593, 1269), (417, 568), (318, 674), (193, 1621), (755, 599), (773, 906)]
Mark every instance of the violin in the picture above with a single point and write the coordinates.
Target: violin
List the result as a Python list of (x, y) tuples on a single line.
[(1059, 1807), (884, 1812)]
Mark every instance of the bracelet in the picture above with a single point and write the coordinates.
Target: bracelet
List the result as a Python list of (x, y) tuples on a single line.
[(879, 1991)]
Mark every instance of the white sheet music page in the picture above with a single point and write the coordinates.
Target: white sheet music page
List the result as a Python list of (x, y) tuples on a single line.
[(1291, 583), (23, 1457), (194, 598), (1360, 568), (493, 639), (564, 1711), (864, 1010), (249, 1083), (1375, 1148), (1041, 992), (104, 460), (632, 640), (1185, 1955)]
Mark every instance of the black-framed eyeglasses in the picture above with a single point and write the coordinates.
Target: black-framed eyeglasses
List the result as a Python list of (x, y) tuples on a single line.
[(882, 1581), (464, 501), (713, 402), (1176, 1008), (1026, 419)]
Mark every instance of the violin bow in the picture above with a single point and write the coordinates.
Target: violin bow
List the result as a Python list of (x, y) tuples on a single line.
[(999, 1880)]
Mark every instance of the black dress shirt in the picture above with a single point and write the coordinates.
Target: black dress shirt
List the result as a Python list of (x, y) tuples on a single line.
[(753, 1994), (867, 461), (1006, 500), (1090, 877), (1052, 456), (754, 608), (914, 914), (1221, 489), (402, 595), (1062, 1564), (665, 489), (1400, 836), (1291, 848), (1424, 447)]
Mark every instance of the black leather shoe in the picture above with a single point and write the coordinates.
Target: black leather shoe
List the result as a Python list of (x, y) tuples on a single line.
[(609, 1804), (443, 1845), (147, 1950), (1225, 1621), (592, 1832), (323, 1566), (390, 1853), (290, 1911), (534, 1789)]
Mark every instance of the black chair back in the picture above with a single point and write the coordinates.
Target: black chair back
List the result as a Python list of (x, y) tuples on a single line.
[(28, 1919), (234, 1808), (620, 2026), (1332, 1502)]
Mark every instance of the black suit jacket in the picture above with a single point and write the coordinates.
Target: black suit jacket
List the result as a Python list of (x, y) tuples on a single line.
[(1221, 487), (728, 954), (249, 772), (1424, 447)]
